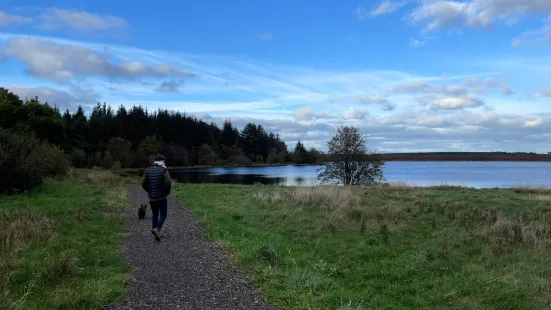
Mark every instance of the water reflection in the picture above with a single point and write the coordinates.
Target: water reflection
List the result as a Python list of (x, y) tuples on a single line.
[(238, 176), (247, 179)]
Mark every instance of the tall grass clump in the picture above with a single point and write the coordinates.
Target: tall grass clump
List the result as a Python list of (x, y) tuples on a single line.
[(503, 233), (329, 197)]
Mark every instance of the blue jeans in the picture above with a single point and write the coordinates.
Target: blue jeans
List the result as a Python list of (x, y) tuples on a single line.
[(156, 207)]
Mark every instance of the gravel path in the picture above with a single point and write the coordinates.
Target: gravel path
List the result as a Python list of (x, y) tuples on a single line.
[(183, 270)]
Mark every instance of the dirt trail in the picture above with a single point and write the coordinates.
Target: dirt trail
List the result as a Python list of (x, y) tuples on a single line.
[(183, 270)]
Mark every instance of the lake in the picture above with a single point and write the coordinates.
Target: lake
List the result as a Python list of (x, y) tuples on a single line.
[(471, 174)]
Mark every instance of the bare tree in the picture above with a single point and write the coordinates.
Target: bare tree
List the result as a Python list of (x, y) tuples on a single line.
[(354, 164)]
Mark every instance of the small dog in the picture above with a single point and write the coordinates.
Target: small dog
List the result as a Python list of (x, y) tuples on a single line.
[(141, 211)]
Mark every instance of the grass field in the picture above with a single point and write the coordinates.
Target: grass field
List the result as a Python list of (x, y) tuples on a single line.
[(61, 246), (389, 248)]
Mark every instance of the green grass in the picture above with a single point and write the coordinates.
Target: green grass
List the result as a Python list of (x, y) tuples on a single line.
[(60, 246), (387, 248)]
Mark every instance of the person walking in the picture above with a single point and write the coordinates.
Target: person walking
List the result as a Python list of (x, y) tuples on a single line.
[(157, 183)]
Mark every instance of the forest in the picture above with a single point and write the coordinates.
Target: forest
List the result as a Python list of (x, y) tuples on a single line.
[(127, 138)]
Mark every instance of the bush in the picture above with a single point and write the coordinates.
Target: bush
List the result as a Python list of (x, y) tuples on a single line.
[(56, 163), (176, 155), (107, 162), (120, 150), (25, 160), (273, 158), (240, 160), (221, 162), (146, 151), (206, 155), (258, 158), (78, 158)]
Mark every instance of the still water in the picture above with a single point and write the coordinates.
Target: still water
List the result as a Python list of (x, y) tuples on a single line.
[(471, 174)]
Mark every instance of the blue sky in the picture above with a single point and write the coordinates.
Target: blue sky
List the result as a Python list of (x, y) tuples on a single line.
[(427, 75)]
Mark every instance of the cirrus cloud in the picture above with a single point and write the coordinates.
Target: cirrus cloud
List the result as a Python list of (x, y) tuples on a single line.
[(384, 7)]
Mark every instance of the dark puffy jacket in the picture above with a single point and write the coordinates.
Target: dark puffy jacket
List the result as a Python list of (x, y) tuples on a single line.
[(156, 182)]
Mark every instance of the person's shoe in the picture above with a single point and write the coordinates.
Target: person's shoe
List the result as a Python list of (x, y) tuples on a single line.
[(155, 232)]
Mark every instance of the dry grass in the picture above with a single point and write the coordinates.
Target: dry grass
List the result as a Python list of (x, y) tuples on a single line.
[(115, 198), (503, 232), (392, 214), (23, 228), (532, 190), (540, 197), (395, 185), (330, 197), (101, 178)]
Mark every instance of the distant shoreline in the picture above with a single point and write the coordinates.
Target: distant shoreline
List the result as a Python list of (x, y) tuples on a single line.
[(467, 156)]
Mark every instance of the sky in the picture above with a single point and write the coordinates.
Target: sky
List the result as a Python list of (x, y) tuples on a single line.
[(413, 75)]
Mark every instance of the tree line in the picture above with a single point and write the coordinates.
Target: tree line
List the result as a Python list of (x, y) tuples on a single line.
[(127, 138)]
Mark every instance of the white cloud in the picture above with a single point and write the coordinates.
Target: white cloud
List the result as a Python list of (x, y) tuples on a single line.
[(7, 19), (170, 87), (308, 114), (353, 113), (534, 37), (266, 37), (384, 102), (63, 62), (63, 99), (384, 7), (493, 82), (303, 113), (545, 92), (417, 43), (482, 86), (408, 87), (469, 85), (457, 102), (54, 19), (476, 13)]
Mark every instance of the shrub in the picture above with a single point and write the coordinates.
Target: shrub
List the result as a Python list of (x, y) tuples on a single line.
[(221, 162), (240, 160), (146, 151), (25, 160), (120, 150), (78, 158), (56, 163), (259, 159), (206, 155), (273, 159), (176, 155), (116, 165), (94, 160), (107, 161)]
